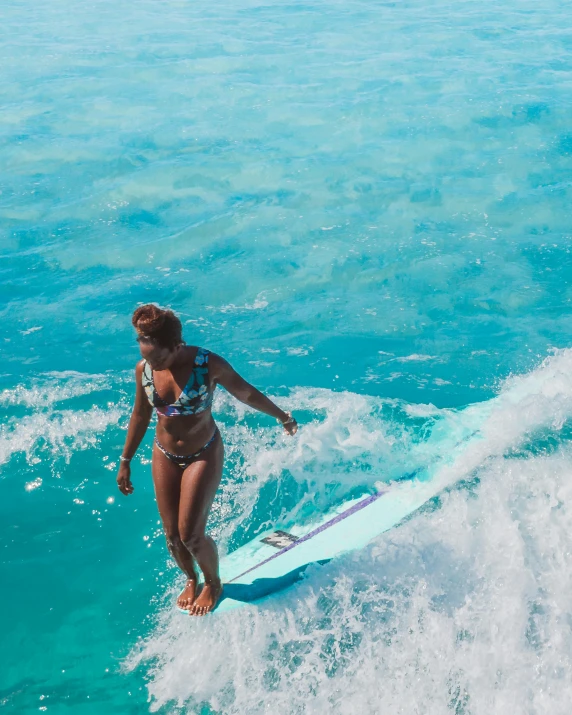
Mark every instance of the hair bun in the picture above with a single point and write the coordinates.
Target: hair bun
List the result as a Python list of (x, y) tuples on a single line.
[(149, 319), (158, 325)]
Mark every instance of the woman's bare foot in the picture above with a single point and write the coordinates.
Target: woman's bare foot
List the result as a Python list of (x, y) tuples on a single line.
[(207, 599), (188, 594)]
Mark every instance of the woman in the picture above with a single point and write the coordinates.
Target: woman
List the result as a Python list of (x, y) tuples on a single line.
[(179, 380)]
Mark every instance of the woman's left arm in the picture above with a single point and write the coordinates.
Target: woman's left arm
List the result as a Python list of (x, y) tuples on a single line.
[(224, 374)]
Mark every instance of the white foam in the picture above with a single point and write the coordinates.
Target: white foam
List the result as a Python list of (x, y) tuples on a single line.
[(341, 434), (57, 434), (464, 609), (30, 330), (47, 430), (259, 304), (53, 387), (34, 484), (416, 358)]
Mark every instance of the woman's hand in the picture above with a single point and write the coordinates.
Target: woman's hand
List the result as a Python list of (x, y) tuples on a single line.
[(124, 479), (290, 425)]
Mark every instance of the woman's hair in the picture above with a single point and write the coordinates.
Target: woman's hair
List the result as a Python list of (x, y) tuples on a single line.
[(158, 326)]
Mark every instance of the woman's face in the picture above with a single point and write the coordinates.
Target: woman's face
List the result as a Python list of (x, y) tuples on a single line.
[(158, 357)]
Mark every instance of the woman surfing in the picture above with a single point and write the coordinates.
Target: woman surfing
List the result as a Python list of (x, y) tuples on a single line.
[(178, 381)]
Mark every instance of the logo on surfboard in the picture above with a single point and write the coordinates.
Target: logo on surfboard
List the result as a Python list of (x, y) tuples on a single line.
[(279, 539)]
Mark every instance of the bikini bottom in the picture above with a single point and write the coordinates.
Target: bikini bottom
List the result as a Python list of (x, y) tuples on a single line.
[(183, 461)]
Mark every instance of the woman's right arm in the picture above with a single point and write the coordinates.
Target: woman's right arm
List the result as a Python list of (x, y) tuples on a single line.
[(138, 423)]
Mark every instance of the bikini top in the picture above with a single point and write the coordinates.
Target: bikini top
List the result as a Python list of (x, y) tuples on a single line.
[(196, 396)]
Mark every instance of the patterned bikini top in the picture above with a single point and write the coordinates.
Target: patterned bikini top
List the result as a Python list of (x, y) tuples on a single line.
[(196, 396)]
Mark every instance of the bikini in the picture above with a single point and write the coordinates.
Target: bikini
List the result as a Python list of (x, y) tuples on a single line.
[(195, 398)]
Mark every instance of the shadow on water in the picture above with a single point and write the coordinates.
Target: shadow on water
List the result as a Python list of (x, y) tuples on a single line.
[(262, 587)]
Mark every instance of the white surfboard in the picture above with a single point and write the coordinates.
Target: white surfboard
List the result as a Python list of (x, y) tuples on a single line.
[(277, 559)]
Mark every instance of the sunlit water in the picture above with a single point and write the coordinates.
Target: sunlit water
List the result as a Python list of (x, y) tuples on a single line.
[(364, 206)]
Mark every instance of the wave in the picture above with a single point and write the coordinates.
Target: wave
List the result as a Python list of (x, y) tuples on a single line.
[(59, 434), (463, 608), (52, 388), (52, 418)]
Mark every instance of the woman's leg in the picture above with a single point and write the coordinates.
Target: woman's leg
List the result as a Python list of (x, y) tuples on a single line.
[(167, 481), (198, 489)]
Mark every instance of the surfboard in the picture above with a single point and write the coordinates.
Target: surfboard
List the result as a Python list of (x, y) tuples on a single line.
[(458, 443), (277, 559)]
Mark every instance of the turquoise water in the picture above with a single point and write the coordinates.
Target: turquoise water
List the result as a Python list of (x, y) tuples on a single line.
[(364, 206)]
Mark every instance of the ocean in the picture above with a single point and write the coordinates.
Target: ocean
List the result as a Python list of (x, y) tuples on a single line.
[(365, 208)]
